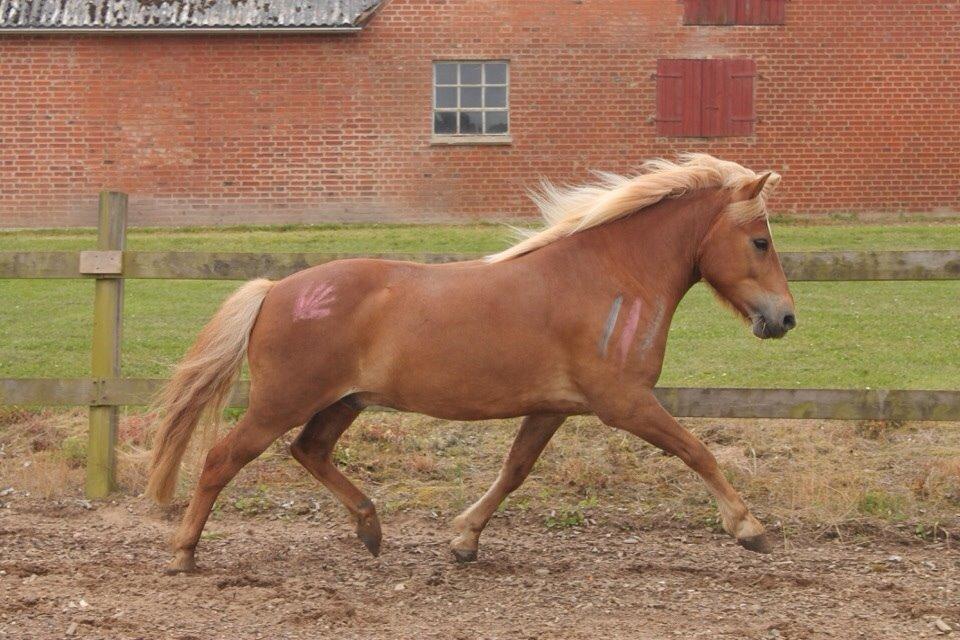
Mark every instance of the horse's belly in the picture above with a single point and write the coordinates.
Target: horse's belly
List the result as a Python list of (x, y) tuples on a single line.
[(478, 406), (467, 383)]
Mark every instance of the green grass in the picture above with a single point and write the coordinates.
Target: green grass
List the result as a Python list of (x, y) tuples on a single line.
[(790, 236), (851, 334), (881, 505), (327, 237)]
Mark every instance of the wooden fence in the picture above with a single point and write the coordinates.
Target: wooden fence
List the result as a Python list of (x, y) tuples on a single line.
[(105, 391)]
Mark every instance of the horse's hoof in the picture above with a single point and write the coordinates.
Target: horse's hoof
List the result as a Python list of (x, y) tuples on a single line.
[(181, 564), (757, 544), (464, 555), (370, 535), (371, 542), (368, 527)]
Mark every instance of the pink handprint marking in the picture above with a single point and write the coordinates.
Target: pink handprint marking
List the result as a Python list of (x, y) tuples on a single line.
[(314, 303)]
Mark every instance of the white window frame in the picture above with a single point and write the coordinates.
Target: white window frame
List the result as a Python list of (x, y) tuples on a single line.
[(469, 138)]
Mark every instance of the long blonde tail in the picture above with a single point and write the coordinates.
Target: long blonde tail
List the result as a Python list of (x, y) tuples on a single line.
[(201, 383)]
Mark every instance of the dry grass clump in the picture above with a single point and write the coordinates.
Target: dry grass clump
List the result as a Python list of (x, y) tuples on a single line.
[(806, 475), (43, 452)]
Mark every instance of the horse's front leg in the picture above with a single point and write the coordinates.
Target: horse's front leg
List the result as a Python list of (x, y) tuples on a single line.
[(535, 433), (643, 416)]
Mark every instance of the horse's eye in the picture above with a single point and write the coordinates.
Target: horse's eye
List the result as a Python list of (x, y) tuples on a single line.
[(761, 243)]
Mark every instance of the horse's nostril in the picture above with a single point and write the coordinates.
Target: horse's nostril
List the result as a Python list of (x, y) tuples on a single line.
[(789, 321)]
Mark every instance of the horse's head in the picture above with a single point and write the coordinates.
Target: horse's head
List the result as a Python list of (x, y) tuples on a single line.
[(738, 260)]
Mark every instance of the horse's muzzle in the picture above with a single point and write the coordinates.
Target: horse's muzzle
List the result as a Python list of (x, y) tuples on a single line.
[(765, 326)]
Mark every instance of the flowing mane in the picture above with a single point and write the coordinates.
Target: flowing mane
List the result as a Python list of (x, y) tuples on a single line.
[(567, 210)]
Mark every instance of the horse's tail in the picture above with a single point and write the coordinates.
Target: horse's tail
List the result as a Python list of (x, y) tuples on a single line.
[(202, 382)]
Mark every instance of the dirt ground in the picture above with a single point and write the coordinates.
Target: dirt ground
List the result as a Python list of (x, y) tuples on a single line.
[(73, 569)]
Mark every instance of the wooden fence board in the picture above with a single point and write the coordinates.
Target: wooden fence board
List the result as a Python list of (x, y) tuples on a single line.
[(58, 392), (816, 266), (246, 266), (40, 264), (826, 404), (819, 266)]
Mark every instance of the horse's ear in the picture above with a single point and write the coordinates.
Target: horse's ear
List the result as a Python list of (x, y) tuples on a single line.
[(757, 187), (765, 184)]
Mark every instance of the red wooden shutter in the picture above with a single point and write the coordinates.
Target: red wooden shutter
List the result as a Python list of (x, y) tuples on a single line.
[(728, 97), (741, 115), (710, 12), (731, 12), (761, 11), (691, 11), (678, 97), (714, 116), (705, 98)]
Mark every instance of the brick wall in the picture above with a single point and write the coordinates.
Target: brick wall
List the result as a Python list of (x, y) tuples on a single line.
[(858, 106)]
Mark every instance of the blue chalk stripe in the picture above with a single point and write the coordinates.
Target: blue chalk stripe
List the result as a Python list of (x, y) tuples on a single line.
[(610, 324)]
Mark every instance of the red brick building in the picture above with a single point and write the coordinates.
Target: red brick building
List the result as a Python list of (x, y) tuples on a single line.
[(242, 110)]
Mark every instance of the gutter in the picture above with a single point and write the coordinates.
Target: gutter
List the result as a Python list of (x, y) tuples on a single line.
[(5, 31)]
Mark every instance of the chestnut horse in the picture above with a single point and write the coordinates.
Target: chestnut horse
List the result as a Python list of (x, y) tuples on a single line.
[(571, 320)]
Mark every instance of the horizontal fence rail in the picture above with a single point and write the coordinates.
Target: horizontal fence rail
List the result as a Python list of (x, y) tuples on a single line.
[(811, 266), (690, 402)]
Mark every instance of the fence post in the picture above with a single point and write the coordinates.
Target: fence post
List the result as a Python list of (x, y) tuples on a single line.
[(105, 350)]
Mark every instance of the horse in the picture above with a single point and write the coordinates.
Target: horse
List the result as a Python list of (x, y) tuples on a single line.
[(570, 320)]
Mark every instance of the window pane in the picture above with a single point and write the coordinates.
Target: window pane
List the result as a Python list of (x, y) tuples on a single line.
[(446, 98), (471, 121), (496, 73), (496, 122), (495, 97), (446, 72), (470, 97), (470, 73), (445, 122)]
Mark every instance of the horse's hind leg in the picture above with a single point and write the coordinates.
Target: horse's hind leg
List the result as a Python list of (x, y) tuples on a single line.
[(535, 433), (313, 449), (247, 440)]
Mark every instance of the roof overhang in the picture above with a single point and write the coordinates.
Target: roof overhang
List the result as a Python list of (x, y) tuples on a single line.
[(37, 17), (106, 31)]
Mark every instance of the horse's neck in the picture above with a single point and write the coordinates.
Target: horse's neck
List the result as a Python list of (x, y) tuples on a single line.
[(653, 252)]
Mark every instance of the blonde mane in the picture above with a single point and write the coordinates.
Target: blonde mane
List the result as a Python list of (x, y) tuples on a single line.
[(567, 210)]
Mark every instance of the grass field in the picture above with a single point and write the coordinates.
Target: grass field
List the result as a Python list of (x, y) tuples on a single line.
[(894, 335)]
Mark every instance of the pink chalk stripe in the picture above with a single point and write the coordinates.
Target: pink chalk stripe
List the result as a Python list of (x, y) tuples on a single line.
[(629, 331)]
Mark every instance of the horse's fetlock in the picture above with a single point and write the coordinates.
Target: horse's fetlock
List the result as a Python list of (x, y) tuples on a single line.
[(183, 561), (366, 509), (462, 524), (748, 527)]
